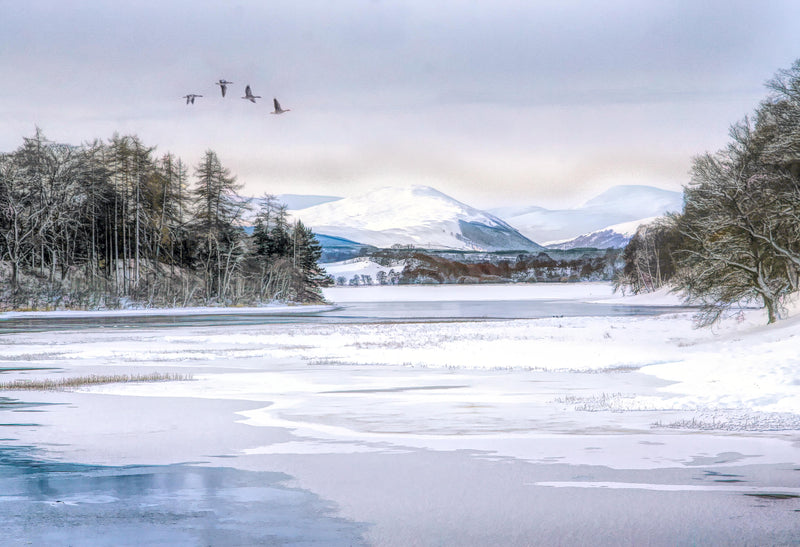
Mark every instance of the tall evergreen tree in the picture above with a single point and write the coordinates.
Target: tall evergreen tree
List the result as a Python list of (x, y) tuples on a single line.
[(95, 223), (271, 215), (306, 254), (217, 211)]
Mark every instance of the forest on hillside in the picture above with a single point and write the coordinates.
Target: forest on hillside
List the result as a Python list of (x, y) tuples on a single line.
[(111, 224), (737, 240), (464, 267)]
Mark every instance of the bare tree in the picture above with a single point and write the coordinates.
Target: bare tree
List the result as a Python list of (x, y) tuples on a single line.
[(83, 225), (737, 225), (649, 256)]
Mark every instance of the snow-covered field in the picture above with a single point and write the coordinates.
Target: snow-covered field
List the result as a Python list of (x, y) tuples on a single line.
[(646, 392), (744, 374), (493, 292), (363, 268)]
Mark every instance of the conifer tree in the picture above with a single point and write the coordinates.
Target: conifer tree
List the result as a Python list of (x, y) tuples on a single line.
[(217, 211), (95, 224), (306, 255)]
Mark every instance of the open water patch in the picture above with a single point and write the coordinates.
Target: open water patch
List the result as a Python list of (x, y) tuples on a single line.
[(55, 503), (350, 312)]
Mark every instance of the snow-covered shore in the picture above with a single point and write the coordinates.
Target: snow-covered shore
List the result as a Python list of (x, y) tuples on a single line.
[(272, 309), (442, 429), (740, 365), (467, 293)]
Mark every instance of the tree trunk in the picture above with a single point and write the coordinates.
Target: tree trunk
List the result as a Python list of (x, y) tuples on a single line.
[(772, 308)]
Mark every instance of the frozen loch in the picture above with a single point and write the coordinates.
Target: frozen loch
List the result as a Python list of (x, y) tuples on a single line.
[(405, 415)]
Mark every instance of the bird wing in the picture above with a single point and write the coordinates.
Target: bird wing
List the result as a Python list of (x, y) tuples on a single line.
[(247, 92), (277, 105)]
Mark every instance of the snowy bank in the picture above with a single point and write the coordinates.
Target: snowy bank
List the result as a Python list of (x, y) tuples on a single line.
[(446, 292), (662, 297), (365, 270), (275, 309), (741, 364), (476, 376)]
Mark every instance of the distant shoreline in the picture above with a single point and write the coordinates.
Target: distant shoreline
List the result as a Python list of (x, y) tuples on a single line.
[(280, 309)]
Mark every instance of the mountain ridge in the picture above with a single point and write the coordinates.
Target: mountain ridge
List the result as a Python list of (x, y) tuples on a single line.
[(416, 216), (615, 205), (615, 236)]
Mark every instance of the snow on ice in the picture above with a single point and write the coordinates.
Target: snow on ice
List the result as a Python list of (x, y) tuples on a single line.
[(494, 385)]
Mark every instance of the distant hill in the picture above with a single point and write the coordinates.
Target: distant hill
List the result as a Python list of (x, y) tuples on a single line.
[(413, 216), (425, 218), (335, 249), (616, 205), (300, 201), (616, 237)]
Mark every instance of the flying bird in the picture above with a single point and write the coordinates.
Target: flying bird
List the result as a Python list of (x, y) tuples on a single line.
[(249, 95), (223, 85), (278, 109), (191, 97)]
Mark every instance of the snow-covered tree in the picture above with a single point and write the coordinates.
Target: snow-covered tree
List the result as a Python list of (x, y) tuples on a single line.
[(306, 253), (217, 212), (649, 256), (741, 220)]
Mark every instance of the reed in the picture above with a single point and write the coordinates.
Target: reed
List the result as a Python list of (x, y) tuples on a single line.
[(59, 384)]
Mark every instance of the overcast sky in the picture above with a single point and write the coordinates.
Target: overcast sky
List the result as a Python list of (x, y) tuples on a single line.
[(494, 103)]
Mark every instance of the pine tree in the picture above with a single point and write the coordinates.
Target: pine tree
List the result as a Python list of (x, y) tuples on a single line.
[(271, 215), (94, 223), (217, 211), (306, 255)]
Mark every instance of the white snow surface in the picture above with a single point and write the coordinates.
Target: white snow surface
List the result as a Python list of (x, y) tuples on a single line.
[(360, 266), (617, 205), (623, 229), (450, 293), (662, 297), (412, 215), (497, 386), (628, 229), (634, 199)]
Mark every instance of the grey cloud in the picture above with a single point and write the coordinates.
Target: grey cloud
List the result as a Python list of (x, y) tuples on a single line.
[(518, 96)]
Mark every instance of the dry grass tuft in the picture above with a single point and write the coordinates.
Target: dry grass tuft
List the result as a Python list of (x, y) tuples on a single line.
[(60, 384)]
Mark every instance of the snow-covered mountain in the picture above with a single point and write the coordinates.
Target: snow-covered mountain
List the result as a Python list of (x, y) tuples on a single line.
[(636, 199), (616, 236), (301, 201), (618, 204), (418, 216)]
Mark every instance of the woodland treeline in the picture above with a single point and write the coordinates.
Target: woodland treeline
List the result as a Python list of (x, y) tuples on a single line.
[(107, 224), (737, 239), (543, 267)]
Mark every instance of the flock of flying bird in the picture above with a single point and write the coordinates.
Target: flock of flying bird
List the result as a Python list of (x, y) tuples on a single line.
[(248, 94)]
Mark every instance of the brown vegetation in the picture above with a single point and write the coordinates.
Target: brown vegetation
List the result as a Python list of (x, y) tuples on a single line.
[(60, 384), (589, 265)]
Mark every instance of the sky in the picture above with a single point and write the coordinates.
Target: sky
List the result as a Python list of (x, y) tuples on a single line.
[(508, 102)]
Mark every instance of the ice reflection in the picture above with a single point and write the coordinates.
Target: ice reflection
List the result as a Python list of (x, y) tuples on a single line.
[(61, 503), (352, 312)]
